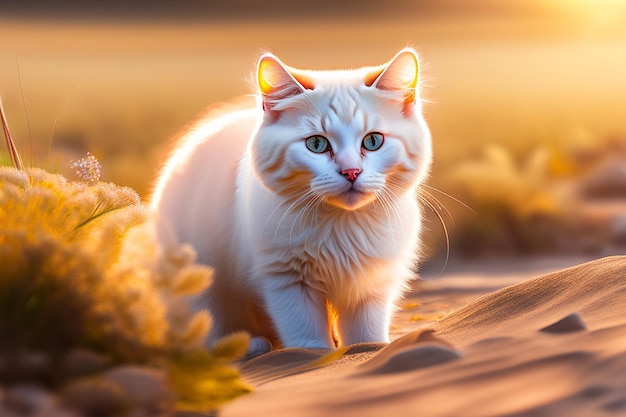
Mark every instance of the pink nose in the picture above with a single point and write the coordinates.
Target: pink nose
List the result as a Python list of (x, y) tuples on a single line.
[(351, 173)]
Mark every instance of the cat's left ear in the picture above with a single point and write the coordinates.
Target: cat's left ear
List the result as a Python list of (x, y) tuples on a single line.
[(401, 75), (276, 81)]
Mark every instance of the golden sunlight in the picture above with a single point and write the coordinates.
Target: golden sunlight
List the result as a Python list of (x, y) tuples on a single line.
[(594, 14)]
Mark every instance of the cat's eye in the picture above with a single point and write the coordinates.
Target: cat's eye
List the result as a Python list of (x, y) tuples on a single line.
[(317, 144), (373, 141)]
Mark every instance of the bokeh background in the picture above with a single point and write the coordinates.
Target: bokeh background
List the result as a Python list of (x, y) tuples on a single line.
[(526, 99)]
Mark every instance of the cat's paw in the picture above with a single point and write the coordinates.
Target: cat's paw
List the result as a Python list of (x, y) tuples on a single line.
[(258, 346)]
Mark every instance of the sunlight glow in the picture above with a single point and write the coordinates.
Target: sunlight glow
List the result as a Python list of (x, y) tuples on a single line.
[(597, 13)]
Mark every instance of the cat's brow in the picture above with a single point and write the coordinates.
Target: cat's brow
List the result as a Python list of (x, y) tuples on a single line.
[(344, 103), (343, 107)]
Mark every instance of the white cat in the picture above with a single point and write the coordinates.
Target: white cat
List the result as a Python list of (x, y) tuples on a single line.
[(306, 206)]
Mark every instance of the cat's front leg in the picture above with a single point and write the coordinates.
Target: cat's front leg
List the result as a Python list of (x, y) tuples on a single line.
[(299, 313), (367, 321)]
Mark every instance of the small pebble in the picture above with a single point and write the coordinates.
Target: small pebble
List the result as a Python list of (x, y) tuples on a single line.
[(568, 324)]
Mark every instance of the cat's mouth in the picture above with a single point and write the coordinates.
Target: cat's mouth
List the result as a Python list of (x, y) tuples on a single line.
[(352, 199)]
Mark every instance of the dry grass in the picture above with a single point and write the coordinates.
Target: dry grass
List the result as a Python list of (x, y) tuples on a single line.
[(85, 290), (15, 155), (81, 271)]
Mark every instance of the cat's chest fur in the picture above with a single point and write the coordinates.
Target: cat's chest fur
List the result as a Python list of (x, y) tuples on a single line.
[(339, 253)]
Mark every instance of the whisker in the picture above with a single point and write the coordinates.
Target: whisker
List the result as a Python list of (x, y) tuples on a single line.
[(450, 197), (311, 208), (445, 230), (436, 201), (282, 203), (386, 203), (435, 206), (304, 211), (297, 202), (392, 205), (389, 187)]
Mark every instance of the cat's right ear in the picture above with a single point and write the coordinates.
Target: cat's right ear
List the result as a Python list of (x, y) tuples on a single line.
[(276, 81), (399, 75)]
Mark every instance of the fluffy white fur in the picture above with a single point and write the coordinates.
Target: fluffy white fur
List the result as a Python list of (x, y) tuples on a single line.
[(303, 255)]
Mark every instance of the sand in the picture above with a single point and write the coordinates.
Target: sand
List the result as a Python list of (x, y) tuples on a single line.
[(548, 346)]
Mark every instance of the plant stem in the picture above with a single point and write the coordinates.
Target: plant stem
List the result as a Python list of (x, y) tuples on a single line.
[(15, 156)]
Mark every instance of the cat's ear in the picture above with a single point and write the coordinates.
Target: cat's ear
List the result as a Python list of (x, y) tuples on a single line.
[(276, 81), (400, 75)]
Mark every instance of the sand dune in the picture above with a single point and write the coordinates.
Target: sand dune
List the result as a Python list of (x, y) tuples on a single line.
[(550, 346)]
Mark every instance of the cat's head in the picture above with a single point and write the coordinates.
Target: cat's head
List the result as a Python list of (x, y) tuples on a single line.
[(348, 138)]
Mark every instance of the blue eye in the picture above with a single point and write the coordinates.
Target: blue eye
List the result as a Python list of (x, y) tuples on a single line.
[(317, 144), (373, 141)]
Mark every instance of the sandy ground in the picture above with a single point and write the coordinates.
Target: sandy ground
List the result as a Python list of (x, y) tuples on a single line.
[(470, 342)]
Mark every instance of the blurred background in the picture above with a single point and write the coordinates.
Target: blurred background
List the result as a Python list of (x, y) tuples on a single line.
[(526, 99)]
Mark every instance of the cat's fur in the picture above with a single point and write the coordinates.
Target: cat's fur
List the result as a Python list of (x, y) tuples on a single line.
[(309, 249)]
